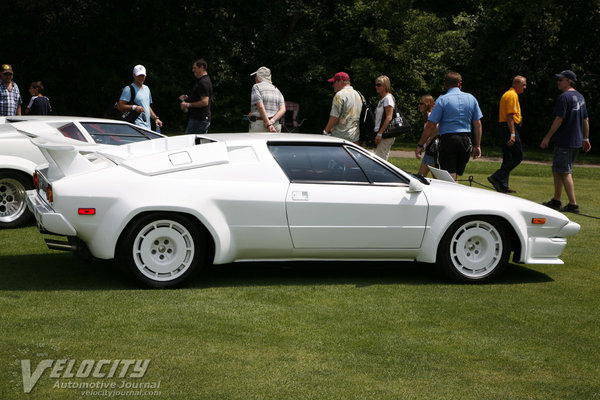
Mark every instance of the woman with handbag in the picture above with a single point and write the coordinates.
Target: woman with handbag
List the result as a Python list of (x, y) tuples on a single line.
[(383, 116), (425, 106)]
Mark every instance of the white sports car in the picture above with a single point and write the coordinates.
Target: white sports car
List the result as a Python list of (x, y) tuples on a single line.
[(19, 157), (167, 207)]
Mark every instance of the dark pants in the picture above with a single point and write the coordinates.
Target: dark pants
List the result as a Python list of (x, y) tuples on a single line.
[(196, 126), (454, 153), (511, 155)]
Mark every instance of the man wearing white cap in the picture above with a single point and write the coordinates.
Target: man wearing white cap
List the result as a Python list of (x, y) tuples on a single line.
[(267, 105), (142, 101)]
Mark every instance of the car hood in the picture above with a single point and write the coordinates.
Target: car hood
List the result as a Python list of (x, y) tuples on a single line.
[(457, 198)]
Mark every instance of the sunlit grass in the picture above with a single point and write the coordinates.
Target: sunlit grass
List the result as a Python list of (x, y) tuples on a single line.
[(317, 330)]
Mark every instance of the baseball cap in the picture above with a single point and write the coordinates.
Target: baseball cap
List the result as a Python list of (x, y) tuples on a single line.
[(340, 76), (7, 68), (567, 74), (263, 74), (139, 70)]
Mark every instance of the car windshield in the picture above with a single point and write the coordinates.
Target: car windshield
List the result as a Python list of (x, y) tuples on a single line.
[(107, 133)]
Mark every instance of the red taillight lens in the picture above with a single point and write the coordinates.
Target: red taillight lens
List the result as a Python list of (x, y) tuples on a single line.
[(36, 179), (49, 194), (86, 211)]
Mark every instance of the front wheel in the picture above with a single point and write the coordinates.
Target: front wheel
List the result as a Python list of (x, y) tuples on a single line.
[(162, 250), (13, 208), (474, 250)]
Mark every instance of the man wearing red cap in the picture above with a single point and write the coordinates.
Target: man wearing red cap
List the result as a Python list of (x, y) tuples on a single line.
[(345, 109)]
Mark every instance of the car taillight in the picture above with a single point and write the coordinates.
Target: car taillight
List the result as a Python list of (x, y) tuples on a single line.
[(538, 221), (49, 195), (36, 179)]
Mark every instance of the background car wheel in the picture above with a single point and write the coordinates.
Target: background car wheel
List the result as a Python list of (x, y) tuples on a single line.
[(13, 208), (162, 250), (474, 250)]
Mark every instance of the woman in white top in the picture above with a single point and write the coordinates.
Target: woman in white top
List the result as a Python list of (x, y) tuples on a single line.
[(383, 116)]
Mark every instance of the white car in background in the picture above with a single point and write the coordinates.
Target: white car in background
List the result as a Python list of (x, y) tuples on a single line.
[(166, 208), (19, 157)]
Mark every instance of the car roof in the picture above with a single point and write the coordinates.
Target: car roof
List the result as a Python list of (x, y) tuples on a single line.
[(251, 137), (54, 118)]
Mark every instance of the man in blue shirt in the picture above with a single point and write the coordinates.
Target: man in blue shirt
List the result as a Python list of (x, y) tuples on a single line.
[(142, 100), (572, 128), (455, 114)]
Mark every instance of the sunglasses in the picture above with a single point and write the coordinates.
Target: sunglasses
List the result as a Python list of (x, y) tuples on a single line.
[(378, 84), (7, 73)]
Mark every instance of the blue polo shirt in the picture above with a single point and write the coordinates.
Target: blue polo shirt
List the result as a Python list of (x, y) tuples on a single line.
[(455, 111)]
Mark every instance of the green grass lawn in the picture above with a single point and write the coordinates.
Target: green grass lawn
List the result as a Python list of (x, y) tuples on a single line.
[(531, 153), (315, 330)]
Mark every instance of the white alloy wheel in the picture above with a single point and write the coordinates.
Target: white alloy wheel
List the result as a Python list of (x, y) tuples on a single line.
[(474, 250), (163, 250), (13, 208)]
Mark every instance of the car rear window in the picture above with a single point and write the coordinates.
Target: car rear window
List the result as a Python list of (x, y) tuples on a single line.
[(107, 133)]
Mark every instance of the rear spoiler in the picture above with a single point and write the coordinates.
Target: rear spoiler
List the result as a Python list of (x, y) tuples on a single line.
[(66, 159)]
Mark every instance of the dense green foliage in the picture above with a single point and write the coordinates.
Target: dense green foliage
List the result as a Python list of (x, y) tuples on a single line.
[(84, 51)]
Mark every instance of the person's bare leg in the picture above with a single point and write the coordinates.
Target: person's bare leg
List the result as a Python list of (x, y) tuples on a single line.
[(557, 186), (569, 185)]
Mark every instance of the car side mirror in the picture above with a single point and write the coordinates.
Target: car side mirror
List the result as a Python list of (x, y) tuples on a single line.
[(415, 186)]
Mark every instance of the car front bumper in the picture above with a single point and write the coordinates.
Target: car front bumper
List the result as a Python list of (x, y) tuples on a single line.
[(47, 219), (546, 250)]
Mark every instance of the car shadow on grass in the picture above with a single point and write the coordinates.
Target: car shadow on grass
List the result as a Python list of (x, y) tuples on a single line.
[(358, 273), (63, 271)]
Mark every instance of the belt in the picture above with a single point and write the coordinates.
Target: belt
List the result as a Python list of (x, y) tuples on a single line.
[(253, 118), (454, 134)]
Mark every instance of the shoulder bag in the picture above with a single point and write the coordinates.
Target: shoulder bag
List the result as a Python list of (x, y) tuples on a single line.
[(398, 125)]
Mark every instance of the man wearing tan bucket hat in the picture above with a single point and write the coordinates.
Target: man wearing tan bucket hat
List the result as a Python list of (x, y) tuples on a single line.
[(267, 105)]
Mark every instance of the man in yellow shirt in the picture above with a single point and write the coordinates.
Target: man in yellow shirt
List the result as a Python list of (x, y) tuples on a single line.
[(510, 118)]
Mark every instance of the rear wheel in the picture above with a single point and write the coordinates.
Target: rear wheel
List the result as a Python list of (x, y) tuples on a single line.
[(474, 250), (13, 208), (162, 250)]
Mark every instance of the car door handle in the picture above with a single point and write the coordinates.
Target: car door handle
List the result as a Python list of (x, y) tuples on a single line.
[(300, 196)]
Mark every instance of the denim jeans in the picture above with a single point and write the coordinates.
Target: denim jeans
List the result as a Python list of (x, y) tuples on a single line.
[(195, 126)]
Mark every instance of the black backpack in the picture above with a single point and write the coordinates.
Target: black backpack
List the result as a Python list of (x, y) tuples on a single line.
[(113, 113), (366, 125)]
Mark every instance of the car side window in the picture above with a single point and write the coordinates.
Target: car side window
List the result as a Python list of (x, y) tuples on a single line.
[(71, 131), (376, 172), (317, 163)]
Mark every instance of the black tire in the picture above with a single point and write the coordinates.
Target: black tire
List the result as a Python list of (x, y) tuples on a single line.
[(162, 250), (474, 250), (13, 207)]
